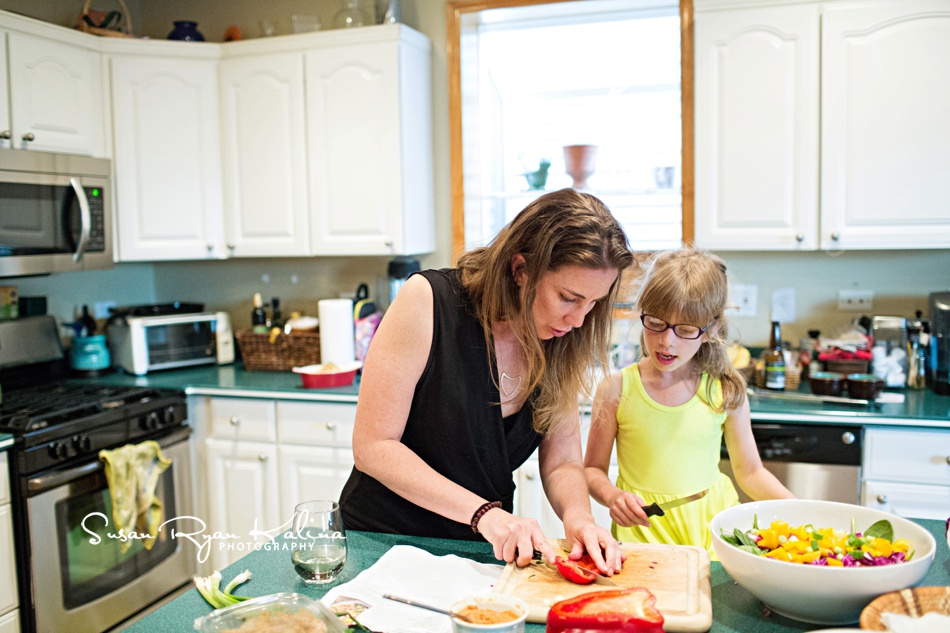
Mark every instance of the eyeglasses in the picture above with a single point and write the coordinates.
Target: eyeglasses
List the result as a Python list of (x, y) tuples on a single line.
[(682, 330)]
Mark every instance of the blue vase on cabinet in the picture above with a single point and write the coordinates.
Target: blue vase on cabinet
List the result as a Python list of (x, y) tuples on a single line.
[(186, 31)]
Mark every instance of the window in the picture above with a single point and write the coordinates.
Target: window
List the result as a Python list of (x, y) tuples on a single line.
[(533, 79)]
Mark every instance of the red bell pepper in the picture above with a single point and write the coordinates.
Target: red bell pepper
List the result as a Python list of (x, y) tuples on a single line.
[(628, 610), (572, 573)]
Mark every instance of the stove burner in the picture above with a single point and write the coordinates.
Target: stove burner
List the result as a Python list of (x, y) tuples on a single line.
[(47, 406)]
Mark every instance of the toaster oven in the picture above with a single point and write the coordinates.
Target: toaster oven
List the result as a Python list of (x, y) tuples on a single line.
[(141, 344)]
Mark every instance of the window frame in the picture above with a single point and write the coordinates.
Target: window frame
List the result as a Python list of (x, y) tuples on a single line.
[(453, 16)]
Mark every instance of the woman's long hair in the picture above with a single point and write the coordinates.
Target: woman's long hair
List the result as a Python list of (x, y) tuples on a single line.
[(691, 286), (562, 228)]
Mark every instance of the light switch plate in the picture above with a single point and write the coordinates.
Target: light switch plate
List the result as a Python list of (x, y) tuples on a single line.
[(744, 298)]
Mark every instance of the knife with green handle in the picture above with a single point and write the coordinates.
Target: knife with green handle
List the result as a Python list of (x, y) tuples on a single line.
[(658, 510)]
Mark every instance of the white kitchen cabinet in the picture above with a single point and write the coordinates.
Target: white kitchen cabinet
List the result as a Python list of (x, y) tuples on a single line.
[(36, 67), (818, 125), (8, 583), (369, 130), (264, 145), (264, 456), (885, 143), (167, 153), (757, 113), (907, 471), (10, 623)]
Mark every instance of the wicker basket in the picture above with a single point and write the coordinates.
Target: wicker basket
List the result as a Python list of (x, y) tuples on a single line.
[(287, 351), (847, 366), (105, 23)]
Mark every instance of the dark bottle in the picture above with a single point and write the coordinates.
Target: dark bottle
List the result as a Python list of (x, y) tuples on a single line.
[(88, 323), (276, 319), (258, 316), (775, 360)]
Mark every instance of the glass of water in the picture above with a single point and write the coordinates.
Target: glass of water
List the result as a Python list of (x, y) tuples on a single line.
[(319, 541)]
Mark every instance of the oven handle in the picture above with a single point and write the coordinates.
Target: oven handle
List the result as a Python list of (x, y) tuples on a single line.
[(37, 485)]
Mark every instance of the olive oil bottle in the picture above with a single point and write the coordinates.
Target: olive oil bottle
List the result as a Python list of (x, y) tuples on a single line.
[(775, 360)]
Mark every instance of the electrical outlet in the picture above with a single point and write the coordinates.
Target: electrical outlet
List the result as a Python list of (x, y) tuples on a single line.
[(855, 300)]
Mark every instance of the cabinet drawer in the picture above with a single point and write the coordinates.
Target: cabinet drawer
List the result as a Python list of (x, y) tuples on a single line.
[(8, 590), (4, 479), (243, 419), (912, 501), (907, 455), (318, 424)]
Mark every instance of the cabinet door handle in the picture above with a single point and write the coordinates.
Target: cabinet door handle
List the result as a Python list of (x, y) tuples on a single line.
[(847, 437), (28, 137), (261, 457), (230, 247), (882, 499), (235, 421), (388, 243), (799, 237), (948, 460), (210, 247), (6, 135), (331, 426), (835, 236)]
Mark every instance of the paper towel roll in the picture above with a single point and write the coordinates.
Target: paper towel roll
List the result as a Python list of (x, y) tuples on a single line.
[(337, 338)]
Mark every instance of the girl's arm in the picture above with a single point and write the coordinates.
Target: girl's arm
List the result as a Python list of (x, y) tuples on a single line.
[(393, 366), (562, 473), (751, 475), (625, 507)]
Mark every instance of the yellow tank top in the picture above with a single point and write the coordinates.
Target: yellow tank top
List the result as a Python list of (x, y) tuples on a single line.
[(667, 450)]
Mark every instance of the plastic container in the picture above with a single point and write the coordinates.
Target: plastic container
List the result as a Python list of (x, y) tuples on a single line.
[(275, 604), (315, 377)]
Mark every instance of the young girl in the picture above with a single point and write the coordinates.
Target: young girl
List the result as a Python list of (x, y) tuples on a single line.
[(670, 411)]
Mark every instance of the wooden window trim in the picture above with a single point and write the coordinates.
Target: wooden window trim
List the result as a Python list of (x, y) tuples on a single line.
[(453, 13)]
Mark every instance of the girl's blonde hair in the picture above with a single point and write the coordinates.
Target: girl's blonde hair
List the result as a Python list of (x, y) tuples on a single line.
[(691, 286), (562, 228)]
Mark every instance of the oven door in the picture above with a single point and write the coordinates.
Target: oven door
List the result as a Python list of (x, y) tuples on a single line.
[(81, 580)]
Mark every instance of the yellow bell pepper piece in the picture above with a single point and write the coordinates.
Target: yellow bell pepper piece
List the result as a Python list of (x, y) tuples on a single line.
[(769, 539), (901, 545), (834, 562), (780, 554)]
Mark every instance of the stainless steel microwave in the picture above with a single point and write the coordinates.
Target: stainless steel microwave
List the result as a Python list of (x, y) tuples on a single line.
[(55, 213), (149, 343)]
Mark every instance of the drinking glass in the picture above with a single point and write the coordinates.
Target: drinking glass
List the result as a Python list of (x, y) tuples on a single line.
[(319, 541)]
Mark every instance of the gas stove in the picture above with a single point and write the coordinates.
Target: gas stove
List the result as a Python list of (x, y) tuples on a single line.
[(58, 423)]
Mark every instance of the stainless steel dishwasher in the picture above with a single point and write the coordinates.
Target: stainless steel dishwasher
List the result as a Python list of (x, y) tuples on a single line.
[(813, 461)]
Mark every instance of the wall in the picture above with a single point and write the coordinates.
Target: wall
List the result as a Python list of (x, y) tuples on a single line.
[(900, 280)]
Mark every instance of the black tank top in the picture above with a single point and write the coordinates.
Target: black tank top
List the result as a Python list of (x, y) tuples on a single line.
[(454, 425)]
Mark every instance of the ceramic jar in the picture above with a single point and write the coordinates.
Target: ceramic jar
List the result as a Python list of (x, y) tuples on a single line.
[(579, 162)]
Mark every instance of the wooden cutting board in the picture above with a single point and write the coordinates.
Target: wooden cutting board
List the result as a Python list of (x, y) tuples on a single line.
[(678, 575)]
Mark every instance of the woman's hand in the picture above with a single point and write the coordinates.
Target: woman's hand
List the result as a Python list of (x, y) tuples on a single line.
[(626, 509), (598, 542), (514, 538)]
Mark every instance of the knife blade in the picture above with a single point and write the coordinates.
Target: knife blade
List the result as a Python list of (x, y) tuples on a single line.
[(599, 577), (658, 510)]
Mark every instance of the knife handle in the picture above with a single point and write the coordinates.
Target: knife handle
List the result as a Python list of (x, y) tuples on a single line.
[(653, 510)]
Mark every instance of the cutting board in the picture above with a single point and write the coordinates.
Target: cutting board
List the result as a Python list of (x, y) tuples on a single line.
[(678, 575)]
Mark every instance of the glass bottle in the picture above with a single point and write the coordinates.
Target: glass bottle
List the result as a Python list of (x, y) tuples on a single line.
[(276, 318), (775, 360), (350, 15), (258, 316), (186, 31)]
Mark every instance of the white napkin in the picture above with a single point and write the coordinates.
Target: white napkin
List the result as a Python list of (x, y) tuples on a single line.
[(928, 623), (409, 572)]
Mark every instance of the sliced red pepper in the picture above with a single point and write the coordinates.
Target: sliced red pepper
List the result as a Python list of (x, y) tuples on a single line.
[(628, 610), (574, 574)]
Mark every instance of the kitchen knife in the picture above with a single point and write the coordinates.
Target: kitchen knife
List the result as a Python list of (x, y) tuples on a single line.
[(655, 509)]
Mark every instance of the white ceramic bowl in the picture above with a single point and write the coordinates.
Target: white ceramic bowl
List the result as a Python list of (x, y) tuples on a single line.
[(814, 593), (494, 602)]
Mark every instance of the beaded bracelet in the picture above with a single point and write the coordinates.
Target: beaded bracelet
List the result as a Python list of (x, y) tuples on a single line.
[(482, 511)]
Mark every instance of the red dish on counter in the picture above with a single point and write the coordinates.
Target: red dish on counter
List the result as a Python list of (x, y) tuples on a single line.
[(328, 375)]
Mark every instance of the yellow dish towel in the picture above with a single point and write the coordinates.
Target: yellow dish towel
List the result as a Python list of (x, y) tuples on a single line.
[(132, 473)]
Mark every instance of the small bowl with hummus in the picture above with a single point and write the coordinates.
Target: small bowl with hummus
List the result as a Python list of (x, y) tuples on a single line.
[(490, 614)]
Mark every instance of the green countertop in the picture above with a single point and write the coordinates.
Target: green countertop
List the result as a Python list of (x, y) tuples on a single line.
[(920, 408), (6, 441), (735, 610)]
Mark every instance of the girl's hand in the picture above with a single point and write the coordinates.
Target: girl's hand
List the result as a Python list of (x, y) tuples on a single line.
[(514, 538), (598, 542), (626, 509)]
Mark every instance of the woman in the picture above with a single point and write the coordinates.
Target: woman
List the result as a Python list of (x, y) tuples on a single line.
[(474, 368)]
